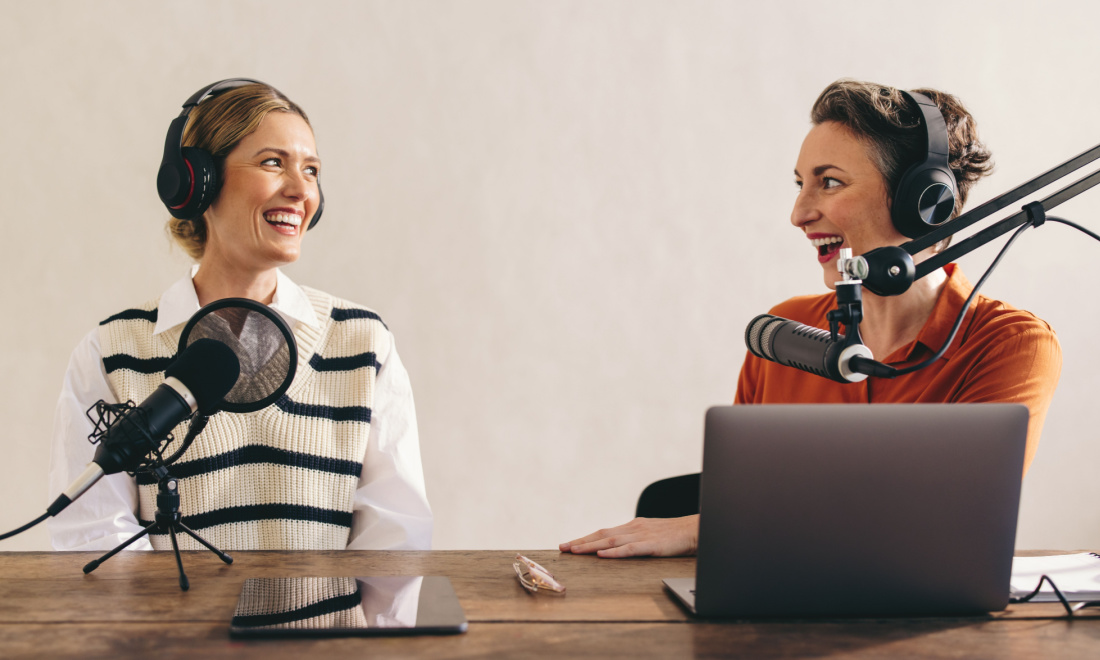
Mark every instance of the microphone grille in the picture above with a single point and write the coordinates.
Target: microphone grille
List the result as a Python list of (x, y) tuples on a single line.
[(766, 336), (752, 334), (758, 335)]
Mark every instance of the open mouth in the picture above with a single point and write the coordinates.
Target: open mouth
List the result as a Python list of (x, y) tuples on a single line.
[(827, 246), (283, 221)]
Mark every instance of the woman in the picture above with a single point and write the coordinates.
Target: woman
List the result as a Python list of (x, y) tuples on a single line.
[(864, 137), (298, 474)]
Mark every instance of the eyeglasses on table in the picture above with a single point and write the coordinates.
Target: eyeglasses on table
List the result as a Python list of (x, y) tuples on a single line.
[(534, 577)]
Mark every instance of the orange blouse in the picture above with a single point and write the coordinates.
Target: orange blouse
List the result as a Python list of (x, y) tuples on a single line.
[(1000, 354)]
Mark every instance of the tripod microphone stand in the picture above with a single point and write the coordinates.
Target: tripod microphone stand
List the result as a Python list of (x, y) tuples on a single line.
[(263, 348), (235, 355), (168, 519)]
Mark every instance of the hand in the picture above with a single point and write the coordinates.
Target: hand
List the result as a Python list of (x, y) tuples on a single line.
[(641, 537)]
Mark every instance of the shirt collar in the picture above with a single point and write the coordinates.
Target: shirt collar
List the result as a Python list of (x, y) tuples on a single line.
[(180, 302)]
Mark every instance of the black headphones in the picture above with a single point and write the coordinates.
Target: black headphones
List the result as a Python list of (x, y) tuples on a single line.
[(925, 197), (188, 178)]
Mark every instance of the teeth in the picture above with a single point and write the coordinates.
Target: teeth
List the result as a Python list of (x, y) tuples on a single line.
[(284, 218), (818, 242)]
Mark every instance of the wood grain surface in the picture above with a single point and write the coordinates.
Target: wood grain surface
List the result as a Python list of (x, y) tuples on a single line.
[(132, 607), (856, 639)]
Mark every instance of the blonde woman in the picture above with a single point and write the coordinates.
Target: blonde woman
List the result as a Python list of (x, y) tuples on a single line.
[(335, 463)]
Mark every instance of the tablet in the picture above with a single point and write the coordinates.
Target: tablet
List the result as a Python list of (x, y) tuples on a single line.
[(344, 606)]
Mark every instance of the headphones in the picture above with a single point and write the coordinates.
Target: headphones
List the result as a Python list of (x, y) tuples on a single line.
[(188, 178), (925, 197)]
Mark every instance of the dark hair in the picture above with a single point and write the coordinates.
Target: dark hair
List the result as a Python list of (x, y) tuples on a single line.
[(888, 123)]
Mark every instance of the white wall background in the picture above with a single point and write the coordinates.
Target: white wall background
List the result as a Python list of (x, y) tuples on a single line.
[(567, 211)]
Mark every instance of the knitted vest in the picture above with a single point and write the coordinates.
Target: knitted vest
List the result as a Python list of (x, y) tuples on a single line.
[(307, 602), (282, 478)]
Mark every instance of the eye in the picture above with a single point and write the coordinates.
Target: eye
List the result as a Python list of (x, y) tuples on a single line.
[(798, 184), (270, 162), (313, 170), (830, 182)]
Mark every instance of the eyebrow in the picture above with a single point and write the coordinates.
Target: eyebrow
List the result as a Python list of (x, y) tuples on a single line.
[(821, 169), (286, 154)]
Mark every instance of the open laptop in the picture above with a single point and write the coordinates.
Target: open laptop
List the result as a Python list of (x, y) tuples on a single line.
[(857, 510)]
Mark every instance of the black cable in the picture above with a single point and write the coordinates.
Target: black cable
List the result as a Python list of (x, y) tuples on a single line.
[(198, 423), (1074, 225), (966, 306), (1070, 609), (25, 527), (891, 371)]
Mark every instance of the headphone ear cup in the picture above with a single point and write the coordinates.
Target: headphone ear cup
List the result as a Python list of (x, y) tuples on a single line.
[(171, 177), (204, 184), (320, 207), (925, 198)]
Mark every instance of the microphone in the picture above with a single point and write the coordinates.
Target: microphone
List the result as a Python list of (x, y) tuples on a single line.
[(810, 349), (198, 379)]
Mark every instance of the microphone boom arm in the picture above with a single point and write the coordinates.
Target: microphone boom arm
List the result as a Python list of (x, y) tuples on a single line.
[(890, 270)]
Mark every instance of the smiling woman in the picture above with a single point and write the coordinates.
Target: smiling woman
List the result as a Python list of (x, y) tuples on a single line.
[(256, 223), (865, 141), (335, 462)]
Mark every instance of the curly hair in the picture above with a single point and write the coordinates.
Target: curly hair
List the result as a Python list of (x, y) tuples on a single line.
[(888, 124), (218, 125)]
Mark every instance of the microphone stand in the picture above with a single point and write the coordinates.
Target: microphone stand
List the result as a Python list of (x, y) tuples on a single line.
[(168, 519), (890, 271)]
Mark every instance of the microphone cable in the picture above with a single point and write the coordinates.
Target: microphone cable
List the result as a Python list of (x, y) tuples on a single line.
[(25, 527), (892, 371), (130, 436), (1074, 225)]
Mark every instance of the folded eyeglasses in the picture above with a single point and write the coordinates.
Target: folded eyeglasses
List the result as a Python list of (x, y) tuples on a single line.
[(534, 577)]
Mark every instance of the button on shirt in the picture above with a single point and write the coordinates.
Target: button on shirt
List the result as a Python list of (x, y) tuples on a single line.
[(390, 511)]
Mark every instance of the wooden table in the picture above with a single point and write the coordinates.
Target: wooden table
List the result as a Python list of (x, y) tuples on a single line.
[(132, 607)]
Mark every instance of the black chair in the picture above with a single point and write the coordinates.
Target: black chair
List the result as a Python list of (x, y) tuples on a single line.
[(670, 498)]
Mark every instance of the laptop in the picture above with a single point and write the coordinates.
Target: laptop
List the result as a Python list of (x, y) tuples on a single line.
[(857, 510)]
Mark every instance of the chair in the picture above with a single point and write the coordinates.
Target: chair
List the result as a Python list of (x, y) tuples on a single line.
[(670, 498)]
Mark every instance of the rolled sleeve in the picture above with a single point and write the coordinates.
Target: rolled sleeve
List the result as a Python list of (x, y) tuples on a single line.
[(391, 504)]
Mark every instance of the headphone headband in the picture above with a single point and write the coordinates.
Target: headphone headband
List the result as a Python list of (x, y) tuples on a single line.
[(216, 88), (926, 192), (934, 123)]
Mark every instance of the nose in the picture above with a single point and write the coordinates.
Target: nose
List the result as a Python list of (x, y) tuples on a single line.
[(805, 209), (298, 187)]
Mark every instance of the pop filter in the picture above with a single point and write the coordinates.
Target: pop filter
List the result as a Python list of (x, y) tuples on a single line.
[(262, 342)]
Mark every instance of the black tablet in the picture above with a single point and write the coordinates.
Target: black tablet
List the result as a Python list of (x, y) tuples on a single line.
[(343, 606)]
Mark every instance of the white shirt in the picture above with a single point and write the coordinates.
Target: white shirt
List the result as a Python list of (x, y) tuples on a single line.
[(390, 508)]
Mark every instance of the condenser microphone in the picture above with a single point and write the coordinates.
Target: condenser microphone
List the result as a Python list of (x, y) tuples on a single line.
[(804, 347), (198, 380)]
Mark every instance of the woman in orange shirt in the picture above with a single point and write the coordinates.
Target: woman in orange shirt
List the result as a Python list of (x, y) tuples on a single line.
[(864, 138)]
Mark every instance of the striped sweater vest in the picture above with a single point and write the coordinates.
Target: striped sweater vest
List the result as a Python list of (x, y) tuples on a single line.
[(282, 478), (307, 602)]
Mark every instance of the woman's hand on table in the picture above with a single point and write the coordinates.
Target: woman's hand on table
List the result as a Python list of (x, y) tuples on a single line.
[(641, 537)]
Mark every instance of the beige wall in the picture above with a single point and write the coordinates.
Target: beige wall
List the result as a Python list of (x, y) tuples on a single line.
[(566, 211)]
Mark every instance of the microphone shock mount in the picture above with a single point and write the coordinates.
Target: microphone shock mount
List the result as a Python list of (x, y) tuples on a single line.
[(167, 519)]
